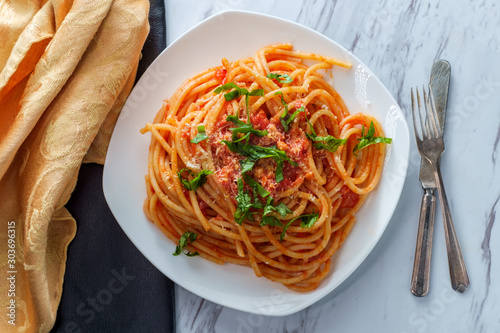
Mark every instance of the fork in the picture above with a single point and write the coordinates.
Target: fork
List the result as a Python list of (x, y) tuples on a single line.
[(430, 144)]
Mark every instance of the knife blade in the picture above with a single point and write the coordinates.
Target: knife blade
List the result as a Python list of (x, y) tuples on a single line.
[(439, 83)]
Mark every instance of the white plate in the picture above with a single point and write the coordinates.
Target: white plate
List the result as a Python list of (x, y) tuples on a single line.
[(235, 35)]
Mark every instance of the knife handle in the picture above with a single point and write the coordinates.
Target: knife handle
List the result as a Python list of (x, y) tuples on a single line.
[(422, 263), (458, 272)]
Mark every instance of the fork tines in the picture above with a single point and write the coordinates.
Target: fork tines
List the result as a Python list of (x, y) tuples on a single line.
[(428, 121)]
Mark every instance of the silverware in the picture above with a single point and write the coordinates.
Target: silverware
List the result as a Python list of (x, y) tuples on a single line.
[(429, 137), (439, 81)]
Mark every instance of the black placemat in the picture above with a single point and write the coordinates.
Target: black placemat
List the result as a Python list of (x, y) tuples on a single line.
[(109, 286)]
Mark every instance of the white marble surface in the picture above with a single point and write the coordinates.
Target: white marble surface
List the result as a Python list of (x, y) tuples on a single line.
[(399, 40)]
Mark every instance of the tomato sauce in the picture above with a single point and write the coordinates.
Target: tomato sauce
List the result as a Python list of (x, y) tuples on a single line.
[(349, 198), (259, 120), (294, 143), (220, 74)]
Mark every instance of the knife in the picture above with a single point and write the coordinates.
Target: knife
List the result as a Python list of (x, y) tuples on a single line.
[(439, 82)]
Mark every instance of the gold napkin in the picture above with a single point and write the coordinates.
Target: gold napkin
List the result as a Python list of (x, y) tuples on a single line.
[(66, 68)]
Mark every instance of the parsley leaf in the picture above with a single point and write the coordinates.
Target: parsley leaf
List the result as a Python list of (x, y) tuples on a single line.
[(242, 127), (284, 115), (311, 126), (227, 86), (307, 221), (202, 135), (196, 182), (282, 209), (246, 165), (256, 92), (285, 118), (272, 221), (329, 142), (292, 117), (237, 92), (256, 187), (244, 201), (282, 78), (254, 153), (369, 138), (183, 241)]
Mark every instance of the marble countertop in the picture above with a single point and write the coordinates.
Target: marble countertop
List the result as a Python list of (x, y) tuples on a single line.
[(399, 41)]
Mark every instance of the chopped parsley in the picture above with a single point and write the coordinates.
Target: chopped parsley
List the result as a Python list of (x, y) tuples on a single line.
[(245, 203), (183, 241), (256, 187), (254, 153), (285, 118), (248, 205), (202, 135), (282, 78), (307, 221), (196, 182), (369, 138), (280, 208), (245, 128), (270, 221), (328, 142), (240, 145), (237, 92)]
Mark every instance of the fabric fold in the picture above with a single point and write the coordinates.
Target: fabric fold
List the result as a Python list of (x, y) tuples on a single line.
[(69, 69)]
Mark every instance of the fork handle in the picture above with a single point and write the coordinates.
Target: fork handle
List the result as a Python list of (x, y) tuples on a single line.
[(458, 272), (423, 250)]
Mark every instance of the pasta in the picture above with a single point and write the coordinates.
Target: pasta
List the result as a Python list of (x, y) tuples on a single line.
[(258, 162)]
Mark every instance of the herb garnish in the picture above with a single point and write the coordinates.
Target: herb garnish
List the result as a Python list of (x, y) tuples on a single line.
[(237, 92), (328, 142), (256, 187), (202, 135), (242, 127), (183, 241), (196, 182), (272, 221), (241, 145), (285, 118), (254, 153), (307, 222), (369, 138), (282, 78), (245, 203)]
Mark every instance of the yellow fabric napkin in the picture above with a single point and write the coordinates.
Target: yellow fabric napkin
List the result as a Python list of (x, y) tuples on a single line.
[(66, 68)]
